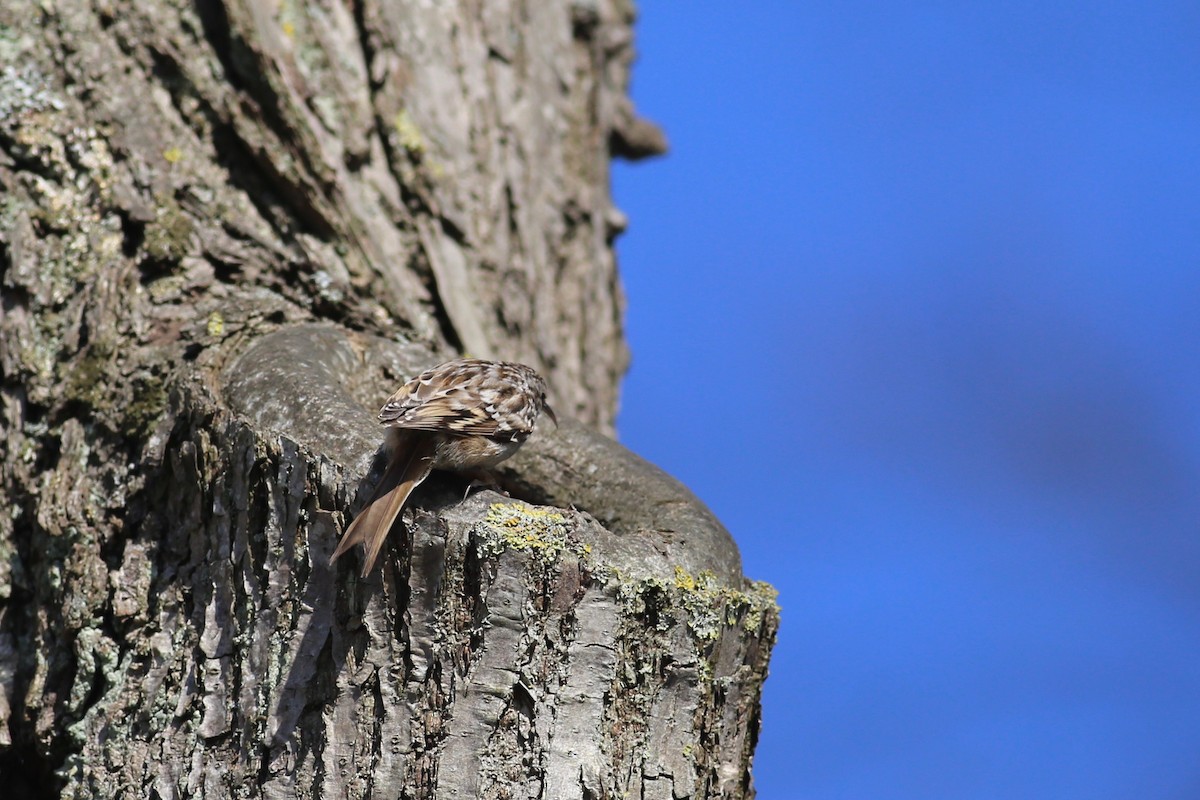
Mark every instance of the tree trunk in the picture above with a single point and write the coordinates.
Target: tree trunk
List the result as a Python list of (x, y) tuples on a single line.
[(228, 230)]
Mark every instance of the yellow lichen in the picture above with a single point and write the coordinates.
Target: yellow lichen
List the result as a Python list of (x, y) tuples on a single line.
[(683, 580), (527, 528), (172, 155), (216, 324), (542, 532), (712, 606), (408, 133)]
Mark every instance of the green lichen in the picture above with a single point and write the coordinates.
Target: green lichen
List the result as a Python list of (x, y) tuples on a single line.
[(96, 657), (24, 90), (215, 325), (56, 207), (711, 606), (702, 598), (761, 598), (167, 288), (650, 601), (408, 134), (38, 354), (539, 531), (703, 604)]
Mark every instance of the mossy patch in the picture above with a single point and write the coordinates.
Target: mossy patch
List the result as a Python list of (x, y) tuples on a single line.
[(169, 237), (145, 407), (88, 377)]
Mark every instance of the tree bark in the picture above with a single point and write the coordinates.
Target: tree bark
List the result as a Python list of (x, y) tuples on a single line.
[(227, 231)]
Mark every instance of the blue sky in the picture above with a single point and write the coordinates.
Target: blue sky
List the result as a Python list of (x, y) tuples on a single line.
[(914, 305)]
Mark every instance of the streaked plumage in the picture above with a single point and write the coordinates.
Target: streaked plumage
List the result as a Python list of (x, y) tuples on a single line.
[(464, 414)]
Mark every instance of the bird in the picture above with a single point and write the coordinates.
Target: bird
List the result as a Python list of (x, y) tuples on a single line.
[(464, 415)]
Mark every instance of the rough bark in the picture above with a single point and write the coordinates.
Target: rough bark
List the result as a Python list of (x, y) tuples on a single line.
[(227, 230)]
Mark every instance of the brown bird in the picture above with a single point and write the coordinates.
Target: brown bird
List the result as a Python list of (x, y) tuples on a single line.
[(465, 414)]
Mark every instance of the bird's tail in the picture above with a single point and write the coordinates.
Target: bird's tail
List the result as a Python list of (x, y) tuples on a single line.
[(408, 467)]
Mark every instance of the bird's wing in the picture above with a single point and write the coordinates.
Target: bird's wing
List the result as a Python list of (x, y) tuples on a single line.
[(465, 396)]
